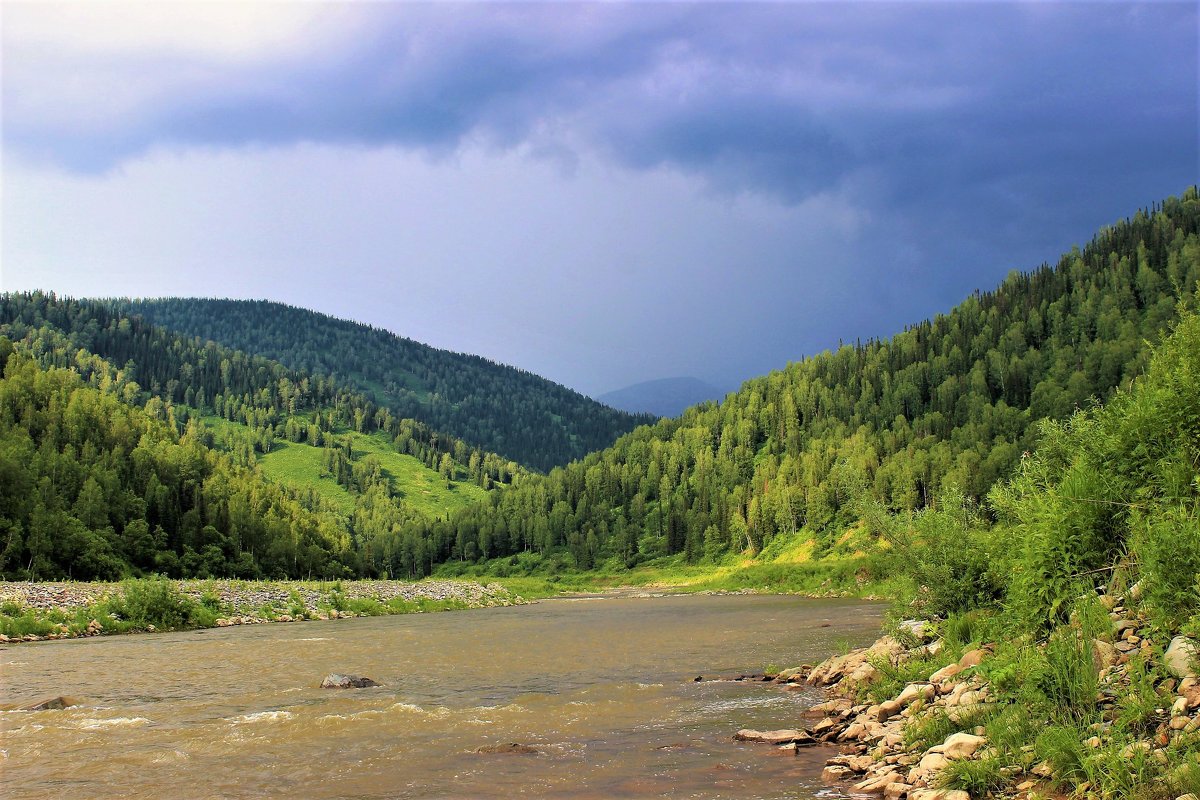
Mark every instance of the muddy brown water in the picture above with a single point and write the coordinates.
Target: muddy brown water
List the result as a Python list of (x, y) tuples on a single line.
[(601, 687)]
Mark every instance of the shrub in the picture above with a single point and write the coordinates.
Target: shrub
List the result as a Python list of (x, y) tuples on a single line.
[(1063, 749), (1168, 550), (1068, 679), (958, 564), (156, 601), (1121, 770), (978, 778)]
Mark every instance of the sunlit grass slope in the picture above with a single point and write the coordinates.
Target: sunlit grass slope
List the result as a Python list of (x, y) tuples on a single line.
[(301, 466)]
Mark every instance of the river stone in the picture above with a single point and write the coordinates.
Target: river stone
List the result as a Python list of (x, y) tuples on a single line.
[(1103, 654), (836, 772), (939, 794), (945, 673), (336, 681), (973, 658), (1180, 657), (919, 629), (787, 736), (51, 704), (508, 748), (962, 745), (931, 762), (914, 692), (886, 710)]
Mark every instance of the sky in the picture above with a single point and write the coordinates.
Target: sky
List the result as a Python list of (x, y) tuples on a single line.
[(598, 193)]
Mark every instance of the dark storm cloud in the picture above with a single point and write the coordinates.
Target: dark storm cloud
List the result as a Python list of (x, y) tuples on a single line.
[(786, 99), (966, 139)]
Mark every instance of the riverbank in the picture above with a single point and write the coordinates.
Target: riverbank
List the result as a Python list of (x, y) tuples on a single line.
[(781, 570), (35, 611), (32, 611), (1106, 706)]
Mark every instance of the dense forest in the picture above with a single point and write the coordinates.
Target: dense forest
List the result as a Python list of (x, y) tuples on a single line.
[(168, 387), (528, 419), (822, 451), (180, 373), (94, 488), (950, 404)]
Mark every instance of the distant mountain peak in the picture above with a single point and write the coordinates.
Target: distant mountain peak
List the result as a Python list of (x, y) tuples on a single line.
[(664, 397)]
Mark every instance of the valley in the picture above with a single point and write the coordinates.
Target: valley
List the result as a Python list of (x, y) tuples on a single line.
[(1017, 476)]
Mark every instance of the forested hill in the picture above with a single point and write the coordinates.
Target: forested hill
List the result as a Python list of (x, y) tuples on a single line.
[(126, 448), (948, 404), (522, 416)]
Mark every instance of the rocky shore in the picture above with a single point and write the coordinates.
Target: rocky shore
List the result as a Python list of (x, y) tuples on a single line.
[(925, 738), (246, 602)]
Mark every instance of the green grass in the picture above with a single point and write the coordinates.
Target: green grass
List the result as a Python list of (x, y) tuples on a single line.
[(781, 571), (139, 604), (422, 488), (158, 604), (301, 466)]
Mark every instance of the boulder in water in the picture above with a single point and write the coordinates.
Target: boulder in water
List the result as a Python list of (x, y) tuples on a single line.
[(787, 736), (51, 704), (508, 748), (336, 681)]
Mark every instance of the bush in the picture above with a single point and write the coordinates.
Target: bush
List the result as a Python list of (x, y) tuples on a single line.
[(978, 778), (958, 564), (1168, 550), (156, 601)]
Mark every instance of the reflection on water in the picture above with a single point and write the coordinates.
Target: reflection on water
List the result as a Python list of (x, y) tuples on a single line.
[(602, 689)]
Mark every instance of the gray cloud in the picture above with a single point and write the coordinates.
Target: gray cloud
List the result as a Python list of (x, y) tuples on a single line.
[(969, 138), (783, 98)]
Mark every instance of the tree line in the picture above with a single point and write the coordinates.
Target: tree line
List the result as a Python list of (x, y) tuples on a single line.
[(181, 380), (947, 407), (950, 404), (501, 409)]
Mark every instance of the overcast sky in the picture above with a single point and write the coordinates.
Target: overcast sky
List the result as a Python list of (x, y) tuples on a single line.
[(602, 194)]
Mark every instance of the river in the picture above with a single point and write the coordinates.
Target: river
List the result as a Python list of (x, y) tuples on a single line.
[(601, 687)]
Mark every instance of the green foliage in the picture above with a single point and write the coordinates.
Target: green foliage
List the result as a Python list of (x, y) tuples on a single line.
[(1168, 549), (819, 455), (103, 489), (968, 627), (498, 408), (17, 622), (977, 777), (808, 452), (1063, 748), (1185, 777), (1067, 679), (931, 729), (1123, 768), (157, 602), (178, 508), (892, 678), (1119, 479), (1009, 730), (212, 601), (1138, 705), (956, 561)]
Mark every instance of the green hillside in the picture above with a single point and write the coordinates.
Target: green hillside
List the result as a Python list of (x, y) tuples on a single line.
[(522, 416), (826, 457), (343, 468), (92, 487), (298, 465), (821, 449)]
